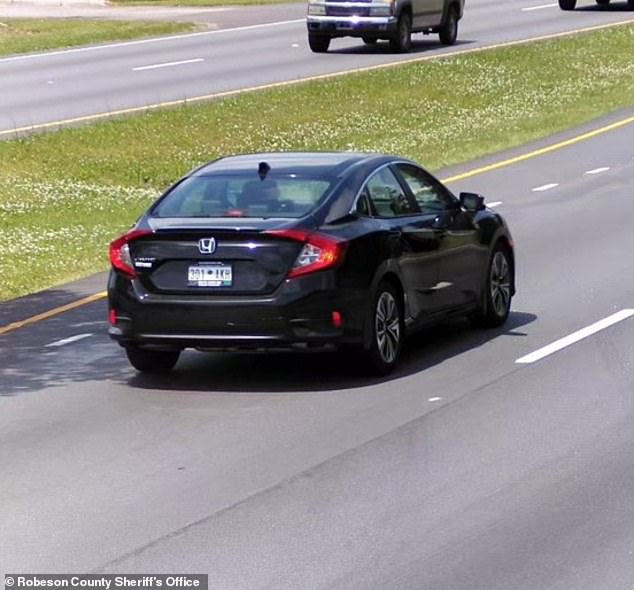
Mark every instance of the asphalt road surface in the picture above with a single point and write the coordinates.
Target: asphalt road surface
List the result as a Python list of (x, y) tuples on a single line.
[(57, 86), (465, 470)]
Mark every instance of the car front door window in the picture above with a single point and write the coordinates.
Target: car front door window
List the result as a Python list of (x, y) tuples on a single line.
[(429, 195), (388, 197)]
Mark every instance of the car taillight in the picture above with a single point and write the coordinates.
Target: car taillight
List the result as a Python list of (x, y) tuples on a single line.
[(319, 252), (120, 257)]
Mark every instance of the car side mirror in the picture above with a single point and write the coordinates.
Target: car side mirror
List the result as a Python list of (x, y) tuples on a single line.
[(472, 202)]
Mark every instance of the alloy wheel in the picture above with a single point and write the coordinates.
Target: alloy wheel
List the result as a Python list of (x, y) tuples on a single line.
[(500, 283), (387, 325)]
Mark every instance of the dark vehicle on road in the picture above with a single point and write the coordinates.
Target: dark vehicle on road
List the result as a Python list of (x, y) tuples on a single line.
[(305, 251), (372, 20)]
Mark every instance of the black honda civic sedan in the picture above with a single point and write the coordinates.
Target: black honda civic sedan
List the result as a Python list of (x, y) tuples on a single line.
[(305, 251)]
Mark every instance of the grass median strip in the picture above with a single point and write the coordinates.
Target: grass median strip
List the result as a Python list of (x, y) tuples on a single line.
[(194, 2), (29, 35), (64, 195)]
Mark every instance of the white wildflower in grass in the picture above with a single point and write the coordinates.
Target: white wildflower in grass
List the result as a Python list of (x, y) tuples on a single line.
[(59, 229), (64, 195)]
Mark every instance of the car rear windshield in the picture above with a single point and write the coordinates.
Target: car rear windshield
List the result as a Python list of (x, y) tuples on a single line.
[(243, 196)]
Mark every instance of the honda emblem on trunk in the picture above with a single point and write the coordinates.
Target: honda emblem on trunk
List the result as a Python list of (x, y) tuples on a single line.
[(207, 245)]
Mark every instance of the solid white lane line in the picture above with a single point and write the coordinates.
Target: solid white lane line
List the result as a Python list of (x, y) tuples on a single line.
[(69, 340), (168, 64), (598, 170), (540, 7), (144, 41), (545, 187), (556, 346), (494, 204)]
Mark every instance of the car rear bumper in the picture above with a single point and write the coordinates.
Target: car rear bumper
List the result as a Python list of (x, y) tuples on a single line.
[(295, 316), (360, 26)]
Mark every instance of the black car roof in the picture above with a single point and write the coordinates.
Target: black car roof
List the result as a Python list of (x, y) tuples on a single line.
[(314, 163)]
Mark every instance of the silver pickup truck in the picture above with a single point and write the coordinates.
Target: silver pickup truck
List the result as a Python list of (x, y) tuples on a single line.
[(394, 20)]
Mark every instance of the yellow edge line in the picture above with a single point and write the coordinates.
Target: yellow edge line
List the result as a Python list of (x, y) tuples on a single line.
[(545, 150), (51, 313), (216, 95), (89, 299)]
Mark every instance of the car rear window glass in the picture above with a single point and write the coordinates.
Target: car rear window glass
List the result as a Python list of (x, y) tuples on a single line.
[(243, 196)]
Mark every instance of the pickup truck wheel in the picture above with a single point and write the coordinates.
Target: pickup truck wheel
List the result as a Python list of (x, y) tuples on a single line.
[(319, 43), (402, 41), (449, 30), (567, 4)]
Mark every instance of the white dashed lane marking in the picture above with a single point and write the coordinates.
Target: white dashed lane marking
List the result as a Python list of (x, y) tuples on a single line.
[(540, 7), (545, 187), (69, 340), (494, 204), (556, 346), (598, 170), (168, 64)]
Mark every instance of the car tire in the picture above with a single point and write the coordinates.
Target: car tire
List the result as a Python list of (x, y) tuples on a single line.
[(567, 4), (152, 361), (630, 4), (498, 291), (319, 43), (402, 40), (370, 40), (387, 329), (448, 33)]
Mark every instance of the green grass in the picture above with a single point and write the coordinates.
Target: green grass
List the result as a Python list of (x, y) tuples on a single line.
[(64, 195), (194, 2), (26, 35)]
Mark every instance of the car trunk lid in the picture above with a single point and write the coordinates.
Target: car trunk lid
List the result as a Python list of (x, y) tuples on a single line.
[(224, 257)]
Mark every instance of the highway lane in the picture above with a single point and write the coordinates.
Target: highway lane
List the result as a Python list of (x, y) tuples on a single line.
[(45, 88), (464, 470)]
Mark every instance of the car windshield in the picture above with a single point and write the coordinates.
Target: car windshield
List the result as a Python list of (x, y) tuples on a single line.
[(242, 195)]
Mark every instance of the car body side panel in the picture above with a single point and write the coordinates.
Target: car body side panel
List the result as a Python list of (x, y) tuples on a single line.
[(417, 259), (426, 13), (463, 257)]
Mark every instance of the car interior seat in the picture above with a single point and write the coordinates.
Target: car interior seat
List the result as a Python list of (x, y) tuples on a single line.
[(263, 193)]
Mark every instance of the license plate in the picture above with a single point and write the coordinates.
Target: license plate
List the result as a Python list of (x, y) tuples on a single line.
[(210, 275)]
